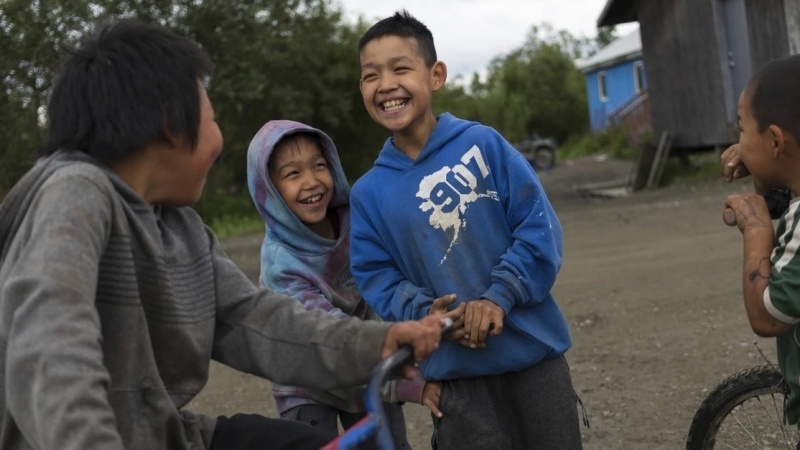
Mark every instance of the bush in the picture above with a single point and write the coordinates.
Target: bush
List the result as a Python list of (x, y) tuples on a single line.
[(697, 165), (229, 211), (606, 142)]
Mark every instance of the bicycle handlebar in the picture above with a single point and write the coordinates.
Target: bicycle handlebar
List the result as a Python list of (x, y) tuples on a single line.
[(375, 420)]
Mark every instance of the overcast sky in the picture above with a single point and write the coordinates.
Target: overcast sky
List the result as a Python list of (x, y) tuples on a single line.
[(469, 33)]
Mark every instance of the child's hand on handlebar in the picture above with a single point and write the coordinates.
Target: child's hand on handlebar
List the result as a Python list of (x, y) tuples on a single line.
[(482, 318), (422, 335)]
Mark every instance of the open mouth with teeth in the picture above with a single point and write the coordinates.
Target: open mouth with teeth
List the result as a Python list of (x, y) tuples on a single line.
[(313, 199), (394, 105)]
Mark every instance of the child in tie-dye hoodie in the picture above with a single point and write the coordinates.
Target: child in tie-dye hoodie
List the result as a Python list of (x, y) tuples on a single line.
[(298, 185)]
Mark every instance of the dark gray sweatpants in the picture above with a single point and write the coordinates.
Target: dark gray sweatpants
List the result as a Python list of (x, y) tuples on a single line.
[(535, 408)]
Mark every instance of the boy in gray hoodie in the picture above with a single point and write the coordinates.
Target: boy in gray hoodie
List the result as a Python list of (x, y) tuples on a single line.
[(114, 296)]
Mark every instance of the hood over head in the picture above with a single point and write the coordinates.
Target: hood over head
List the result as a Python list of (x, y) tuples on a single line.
[(281, 223)]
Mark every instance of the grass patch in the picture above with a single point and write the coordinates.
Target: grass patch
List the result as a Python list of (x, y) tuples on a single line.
[(696, 166), (227, 226), (606, 142)]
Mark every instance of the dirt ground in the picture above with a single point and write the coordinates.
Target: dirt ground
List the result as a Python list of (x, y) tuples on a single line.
[(651, 287)]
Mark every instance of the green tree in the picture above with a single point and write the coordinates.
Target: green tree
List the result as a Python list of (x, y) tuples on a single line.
[(536, 88), (605, 36), (32, 37), (275, 59)]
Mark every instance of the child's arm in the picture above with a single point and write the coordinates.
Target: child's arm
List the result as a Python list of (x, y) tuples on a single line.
[(527, 271), (753, 220), (302, 290), (380, 281), (56, 384), (270, 335), (414, 390)]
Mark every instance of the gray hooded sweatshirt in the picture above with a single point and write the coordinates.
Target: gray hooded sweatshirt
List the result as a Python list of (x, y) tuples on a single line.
[(111, 309)]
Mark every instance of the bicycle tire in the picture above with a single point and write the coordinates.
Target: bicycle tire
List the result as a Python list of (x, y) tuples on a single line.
[(744, 411)]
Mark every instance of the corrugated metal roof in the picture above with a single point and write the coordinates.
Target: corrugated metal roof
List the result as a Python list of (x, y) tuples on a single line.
[(625, 47)]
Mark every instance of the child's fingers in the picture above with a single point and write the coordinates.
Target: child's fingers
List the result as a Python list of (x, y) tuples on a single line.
[(472, 326), (456, 334), (456, 314), (496, 327), (440, 304), (729, 217), (458, 323), (432, 406)]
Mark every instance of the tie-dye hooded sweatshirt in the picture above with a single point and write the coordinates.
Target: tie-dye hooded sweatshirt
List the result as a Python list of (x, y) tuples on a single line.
[(298, 262)]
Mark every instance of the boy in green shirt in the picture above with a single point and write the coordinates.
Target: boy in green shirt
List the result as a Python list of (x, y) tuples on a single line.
[(768, 149)]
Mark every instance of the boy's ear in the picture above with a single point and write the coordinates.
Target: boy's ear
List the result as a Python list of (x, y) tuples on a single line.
[(778, 138), (173, 139), (439, 72)]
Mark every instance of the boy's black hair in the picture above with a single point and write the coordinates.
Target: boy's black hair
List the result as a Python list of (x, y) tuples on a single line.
[(404, 25), (775, 95), (123, 88), (291, 141)]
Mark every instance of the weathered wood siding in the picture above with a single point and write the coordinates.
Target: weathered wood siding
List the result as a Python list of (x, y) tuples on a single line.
[(792, 8), (766, 23), (682, 63)]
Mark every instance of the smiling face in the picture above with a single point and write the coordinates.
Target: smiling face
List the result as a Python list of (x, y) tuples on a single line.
[(397, 85), (299, 171)]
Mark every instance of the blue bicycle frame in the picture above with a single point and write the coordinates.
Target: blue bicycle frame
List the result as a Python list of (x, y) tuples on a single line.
[(374, 423)]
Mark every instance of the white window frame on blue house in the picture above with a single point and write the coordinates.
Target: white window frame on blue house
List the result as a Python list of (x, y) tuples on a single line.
[(601, 86), (638, 75)]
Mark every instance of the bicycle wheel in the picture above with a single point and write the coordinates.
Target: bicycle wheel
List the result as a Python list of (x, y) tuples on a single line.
[(744, 411)]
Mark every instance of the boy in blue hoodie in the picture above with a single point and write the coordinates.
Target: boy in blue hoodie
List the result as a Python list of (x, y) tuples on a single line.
[(300, 190), (451, 207)]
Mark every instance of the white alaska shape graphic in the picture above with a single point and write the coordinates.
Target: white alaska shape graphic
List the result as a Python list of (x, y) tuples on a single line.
[(447, 193)]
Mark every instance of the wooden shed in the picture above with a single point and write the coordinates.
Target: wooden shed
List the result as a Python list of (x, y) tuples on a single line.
[(698, 56)]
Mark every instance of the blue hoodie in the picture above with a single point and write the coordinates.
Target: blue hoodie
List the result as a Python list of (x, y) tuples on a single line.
[(468, 216), (298, 262)]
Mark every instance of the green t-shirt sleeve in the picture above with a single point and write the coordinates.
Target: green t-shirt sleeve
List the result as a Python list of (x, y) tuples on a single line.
[(782, 296)]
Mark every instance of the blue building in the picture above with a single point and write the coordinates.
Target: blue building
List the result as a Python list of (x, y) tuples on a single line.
[(616, 85)]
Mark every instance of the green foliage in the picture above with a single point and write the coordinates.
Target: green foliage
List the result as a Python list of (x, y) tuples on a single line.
[(537, 88), (606, 142), (605, 36), (229, 211), (225, 226), (692, 167), (453, 98)]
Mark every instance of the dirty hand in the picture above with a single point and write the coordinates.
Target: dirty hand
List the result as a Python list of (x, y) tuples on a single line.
[(439, 307), (481, 318), (732, 166), (430, 396), (422, 335), (747, 211)]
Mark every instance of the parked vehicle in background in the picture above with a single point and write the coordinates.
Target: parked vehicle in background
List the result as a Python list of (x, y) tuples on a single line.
[(539, 151)]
